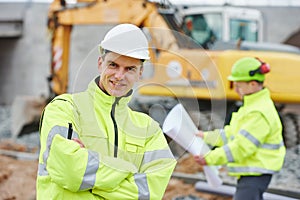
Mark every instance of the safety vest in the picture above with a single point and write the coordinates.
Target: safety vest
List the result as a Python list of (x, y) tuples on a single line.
[(126, 155), (252, 144)]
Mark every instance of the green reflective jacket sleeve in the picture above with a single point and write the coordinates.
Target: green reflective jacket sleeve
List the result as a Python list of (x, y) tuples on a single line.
[(152, 178), (213, 138), (67, 164), (241, 147)]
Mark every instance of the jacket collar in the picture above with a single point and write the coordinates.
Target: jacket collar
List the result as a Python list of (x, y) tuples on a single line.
[(264, 93), (100, 96)]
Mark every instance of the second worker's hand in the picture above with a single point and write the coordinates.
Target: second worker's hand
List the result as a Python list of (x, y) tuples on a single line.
[(79, 142), (200, 134), (200, 160)]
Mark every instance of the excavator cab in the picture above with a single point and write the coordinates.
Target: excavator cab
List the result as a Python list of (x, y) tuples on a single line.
[(207, 25), (197, 27)]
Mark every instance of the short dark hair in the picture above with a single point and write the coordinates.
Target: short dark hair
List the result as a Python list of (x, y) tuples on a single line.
[(105, 51)]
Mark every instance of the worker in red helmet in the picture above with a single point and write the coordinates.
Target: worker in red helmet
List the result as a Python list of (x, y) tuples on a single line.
[(93, 146), (251, 145)]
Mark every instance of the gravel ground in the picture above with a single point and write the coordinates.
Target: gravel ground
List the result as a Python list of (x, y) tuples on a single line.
[(288, 179)]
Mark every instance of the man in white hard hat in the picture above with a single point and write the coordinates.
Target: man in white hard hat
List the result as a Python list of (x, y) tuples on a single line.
[(93, 146)]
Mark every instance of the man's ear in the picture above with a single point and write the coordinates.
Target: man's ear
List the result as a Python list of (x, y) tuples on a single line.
[(254, 83), (100, 61), (255, 86), (141, 71)]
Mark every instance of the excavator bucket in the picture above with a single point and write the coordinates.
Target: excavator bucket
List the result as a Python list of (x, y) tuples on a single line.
[(25, 114)]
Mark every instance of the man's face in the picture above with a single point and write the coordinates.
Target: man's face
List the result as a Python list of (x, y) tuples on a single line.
[(244, 88), (118, 73)]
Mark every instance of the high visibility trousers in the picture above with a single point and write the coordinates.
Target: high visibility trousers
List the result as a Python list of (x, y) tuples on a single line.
[(252, 187)]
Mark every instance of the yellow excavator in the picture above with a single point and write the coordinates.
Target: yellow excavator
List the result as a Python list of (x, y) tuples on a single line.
[(192, 51)]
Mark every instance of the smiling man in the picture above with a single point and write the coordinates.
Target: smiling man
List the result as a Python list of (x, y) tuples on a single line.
[(93, 146)]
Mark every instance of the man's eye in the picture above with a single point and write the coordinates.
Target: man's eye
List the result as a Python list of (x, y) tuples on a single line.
[(112, 64), (131, 68)]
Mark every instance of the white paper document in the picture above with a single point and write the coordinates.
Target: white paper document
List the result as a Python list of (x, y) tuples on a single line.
[(179, 126)]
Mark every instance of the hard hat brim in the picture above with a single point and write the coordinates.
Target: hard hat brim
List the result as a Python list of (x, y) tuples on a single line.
[(233, 78)]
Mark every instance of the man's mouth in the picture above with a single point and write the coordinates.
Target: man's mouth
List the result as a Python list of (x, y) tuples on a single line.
[(117, 83)]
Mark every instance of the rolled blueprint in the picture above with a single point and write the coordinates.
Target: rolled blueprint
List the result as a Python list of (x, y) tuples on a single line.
[(179, 126)]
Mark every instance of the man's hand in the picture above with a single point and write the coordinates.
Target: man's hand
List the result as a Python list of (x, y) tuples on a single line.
[(79, 142), (200, 160), (200, 134)]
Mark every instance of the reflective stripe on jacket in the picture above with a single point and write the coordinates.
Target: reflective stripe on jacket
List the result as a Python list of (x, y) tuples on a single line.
[(252, 144), (138, 168)]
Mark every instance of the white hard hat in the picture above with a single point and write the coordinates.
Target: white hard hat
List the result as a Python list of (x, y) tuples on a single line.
[(128, 40)]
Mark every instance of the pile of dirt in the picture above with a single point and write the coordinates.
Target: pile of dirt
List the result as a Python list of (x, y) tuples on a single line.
[(17, 179), (186, 164)]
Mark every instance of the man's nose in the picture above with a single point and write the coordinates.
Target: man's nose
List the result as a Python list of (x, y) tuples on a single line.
[(120, 73)]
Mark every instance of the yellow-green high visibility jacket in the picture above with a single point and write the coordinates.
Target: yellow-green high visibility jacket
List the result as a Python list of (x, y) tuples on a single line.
[(252, 144), (126, 155)]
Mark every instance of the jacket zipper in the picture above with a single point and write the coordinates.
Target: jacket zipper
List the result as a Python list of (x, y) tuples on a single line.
[(112, 115)]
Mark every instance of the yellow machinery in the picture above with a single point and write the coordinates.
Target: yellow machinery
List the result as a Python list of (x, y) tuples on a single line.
[(181, 68)]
